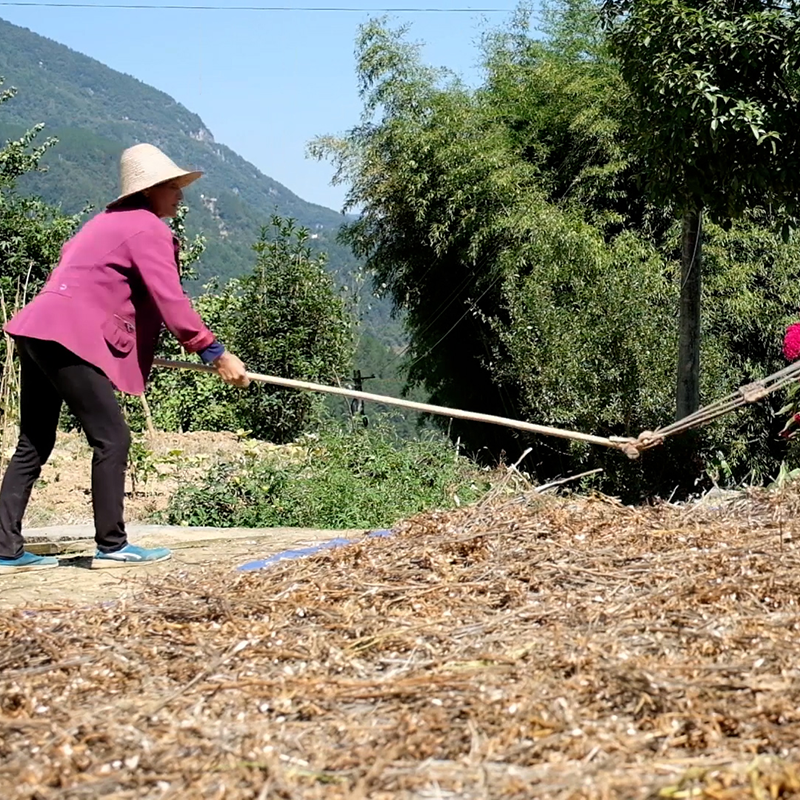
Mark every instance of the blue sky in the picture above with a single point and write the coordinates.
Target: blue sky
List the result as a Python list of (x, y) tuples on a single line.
[(265, 83)]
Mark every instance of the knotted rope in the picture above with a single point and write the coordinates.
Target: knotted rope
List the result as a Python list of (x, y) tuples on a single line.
[(744, 395)]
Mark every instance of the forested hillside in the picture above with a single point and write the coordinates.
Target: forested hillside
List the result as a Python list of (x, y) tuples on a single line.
[(95, 111)]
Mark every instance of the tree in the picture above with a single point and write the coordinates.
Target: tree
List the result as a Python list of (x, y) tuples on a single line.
[(431, 174), (291, 323), (31, 231), (538, 277), (467, 196), (714, 86), (562, 100)]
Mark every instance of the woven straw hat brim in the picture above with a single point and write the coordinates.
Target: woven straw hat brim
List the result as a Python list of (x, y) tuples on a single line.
[(144, 166), (183, 180)]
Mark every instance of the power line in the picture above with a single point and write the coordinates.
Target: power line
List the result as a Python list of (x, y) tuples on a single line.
[(311, 9), (469, 278), (457, 322)]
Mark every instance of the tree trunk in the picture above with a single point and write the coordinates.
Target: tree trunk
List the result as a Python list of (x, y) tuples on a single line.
[(688, 394)]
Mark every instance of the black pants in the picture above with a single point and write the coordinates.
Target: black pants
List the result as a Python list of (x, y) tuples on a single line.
[(52, 375)]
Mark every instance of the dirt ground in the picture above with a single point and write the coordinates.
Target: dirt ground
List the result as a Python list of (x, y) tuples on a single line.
[(62, 495), (192, 548)]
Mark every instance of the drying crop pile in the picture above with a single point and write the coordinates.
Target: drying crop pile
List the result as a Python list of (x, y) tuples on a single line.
[(525, 647)]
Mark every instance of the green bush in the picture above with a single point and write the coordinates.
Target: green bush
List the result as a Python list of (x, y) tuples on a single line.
[(365, 478), (284, 318), (291, 323)]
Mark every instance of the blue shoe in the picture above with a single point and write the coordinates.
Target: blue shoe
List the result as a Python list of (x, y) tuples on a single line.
[(130, 556), (27, 562)]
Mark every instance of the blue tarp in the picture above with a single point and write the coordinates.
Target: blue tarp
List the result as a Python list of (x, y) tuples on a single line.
[(287, 555)]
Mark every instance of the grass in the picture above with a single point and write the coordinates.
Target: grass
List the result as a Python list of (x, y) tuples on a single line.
[(343, 479)]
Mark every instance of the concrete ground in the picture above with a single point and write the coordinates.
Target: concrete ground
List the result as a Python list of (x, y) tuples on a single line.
[(192, 548)]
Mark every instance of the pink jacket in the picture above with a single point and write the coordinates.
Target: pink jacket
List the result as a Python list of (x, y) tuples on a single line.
[(116, 284)]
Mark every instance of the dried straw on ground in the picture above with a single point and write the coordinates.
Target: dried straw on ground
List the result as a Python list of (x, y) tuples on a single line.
[(526, 647)]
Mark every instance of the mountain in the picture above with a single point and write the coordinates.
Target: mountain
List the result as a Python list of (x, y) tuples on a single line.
[(96, 111)]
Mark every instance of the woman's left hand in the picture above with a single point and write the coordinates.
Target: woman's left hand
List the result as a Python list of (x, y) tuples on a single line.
[(232, 370)]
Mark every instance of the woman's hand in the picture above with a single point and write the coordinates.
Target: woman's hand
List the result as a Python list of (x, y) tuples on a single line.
[(232, 370)]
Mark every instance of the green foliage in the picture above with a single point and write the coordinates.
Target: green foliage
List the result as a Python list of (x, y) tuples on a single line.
[(714, 88), (537, 278), (31, 231), (141, 463), (462, 193), (191, 251), (433, 177), (751, 292), (292, 324), (344, 479), (540, 90), (585, 335)]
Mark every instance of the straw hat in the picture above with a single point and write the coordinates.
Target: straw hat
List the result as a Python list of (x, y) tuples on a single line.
[(144, 166)]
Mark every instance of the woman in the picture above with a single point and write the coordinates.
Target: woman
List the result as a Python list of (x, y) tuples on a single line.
[(93, 329)]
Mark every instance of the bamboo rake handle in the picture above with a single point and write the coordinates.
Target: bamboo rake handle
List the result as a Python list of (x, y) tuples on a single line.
[(394, 401)]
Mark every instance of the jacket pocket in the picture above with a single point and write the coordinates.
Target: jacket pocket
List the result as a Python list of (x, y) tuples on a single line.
[(119, 333), (64, 287)]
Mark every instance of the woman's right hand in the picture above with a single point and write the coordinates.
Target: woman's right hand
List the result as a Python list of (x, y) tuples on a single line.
[(232, 370)]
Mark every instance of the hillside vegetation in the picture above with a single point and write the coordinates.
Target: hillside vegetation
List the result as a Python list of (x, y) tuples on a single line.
[(95, 112)]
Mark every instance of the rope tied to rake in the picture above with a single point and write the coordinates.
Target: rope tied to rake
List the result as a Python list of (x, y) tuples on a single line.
[(631, 447), (745, 395)]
